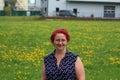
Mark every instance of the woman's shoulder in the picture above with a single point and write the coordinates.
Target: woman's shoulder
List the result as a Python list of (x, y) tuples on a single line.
[(72, 57)]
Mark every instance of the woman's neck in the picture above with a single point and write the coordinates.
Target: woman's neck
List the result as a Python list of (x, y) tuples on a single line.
[(60, 52)]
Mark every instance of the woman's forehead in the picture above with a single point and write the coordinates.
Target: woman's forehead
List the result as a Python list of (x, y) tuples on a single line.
[(60, 35)]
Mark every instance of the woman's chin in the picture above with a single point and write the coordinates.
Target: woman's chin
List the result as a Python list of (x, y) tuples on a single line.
[(60, 48)]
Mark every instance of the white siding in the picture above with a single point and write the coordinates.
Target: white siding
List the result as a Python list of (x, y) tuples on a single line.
[(83, 9), (117, 12), (1, 4), (53, 4), (86, 9)]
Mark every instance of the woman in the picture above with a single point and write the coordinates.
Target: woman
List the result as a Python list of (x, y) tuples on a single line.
[(62, 64)]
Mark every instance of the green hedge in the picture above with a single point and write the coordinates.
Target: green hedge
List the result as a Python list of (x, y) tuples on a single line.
[(35, 13), (2, 13), (21, 13)]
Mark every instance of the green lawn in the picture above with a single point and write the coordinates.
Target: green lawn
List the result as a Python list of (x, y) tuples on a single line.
[(24, 41)]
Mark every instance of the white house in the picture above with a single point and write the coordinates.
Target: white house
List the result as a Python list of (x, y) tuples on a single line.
[(34, 5), (20, 5), (1, 4), (83, 8), (24, 4)]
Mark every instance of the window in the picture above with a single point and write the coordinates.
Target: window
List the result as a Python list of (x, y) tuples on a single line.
[(31, 1), (45, 9), (75, 11), (109, 11), (57, 9)]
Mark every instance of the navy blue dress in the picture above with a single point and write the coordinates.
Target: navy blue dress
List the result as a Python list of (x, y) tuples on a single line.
[(66, 69)]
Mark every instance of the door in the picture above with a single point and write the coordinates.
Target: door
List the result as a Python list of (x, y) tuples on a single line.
[(109, 11), (75, 11)]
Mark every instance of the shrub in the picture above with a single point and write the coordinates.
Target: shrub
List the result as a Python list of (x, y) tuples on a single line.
[(7, 10)]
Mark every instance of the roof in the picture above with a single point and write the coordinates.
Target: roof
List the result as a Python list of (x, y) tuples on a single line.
[(99, 1)]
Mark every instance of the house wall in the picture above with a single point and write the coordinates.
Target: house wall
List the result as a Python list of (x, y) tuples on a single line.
[(117, 11), (38, 2), (83, 9), (53, 4), (34, 5), (87, 9), (38, 5), (44, 7), (1, 4), (22, 5)]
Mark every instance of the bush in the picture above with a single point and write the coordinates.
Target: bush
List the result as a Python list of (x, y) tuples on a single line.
[(7, 10)]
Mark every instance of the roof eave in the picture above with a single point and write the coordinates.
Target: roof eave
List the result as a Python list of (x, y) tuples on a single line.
[(93, 1)]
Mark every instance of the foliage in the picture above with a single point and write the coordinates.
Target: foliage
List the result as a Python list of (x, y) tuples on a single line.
[(24, 43), (9, 5), (7, 10), (11, 2)]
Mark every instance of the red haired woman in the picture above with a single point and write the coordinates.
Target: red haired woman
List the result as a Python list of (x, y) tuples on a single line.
[(62, 64)]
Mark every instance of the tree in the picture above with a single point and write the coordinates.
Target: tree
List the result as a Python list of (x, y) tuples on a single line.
[(9, 5), (12, 3)]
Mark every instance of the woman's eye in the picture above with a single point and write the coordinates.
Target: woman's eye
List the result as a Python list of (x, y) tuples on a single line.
[(58, 40), (63, 40)]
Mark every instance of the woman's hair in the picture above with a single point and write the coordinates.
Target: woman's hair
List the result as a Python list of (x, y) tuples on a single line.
[(63, 31)]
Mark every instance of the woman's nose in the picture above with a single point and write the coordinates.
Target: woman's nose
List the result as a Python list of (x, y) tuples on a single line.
[(60, 42)]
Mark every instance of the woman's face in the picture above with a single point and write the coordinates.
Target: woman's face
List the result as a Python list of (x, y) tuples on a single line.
[(60, 41)]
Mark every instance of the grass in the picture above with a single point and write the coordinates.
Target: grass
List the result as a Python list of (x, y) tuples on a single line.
[(24, 41)]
